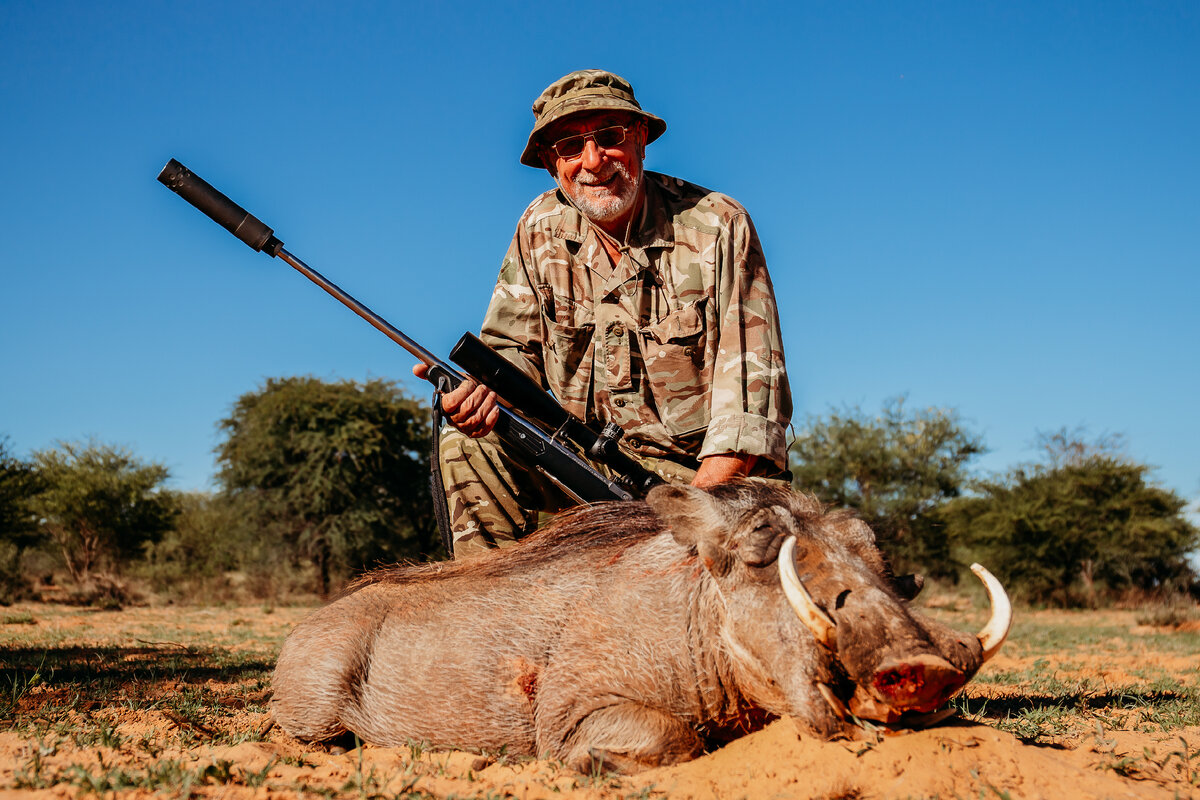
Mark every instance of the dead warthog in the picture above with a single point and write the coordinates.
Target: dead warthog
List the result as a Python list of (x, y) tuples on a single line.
[(629, 635)]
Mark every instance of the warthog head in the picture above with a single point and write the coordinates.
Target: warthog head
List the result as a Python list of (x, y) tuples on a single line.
[(812, 623)]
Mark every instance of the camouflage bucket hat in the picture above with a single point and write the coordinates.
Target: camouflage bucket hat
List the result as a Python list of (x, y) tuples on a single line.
[(586, 90)]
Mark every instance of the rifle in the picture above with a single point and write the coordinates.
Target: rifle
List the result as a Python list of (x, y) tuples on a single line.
[(538, 431)]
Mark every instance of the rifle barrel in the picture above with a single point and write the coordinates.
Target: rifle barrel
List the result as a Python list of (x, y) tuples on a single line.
[(377, 322)]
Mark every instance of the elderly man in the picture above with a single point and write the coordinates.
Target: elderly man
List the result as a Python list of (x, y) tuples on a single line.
[(634, 298)]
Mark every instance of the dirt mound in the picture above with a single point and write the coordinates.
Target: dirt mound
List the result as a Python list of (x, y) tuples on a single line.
[(957, 759)]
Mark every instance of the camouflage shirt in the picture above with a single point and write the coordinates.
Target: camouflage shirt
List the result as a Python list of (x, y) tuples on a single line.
[(679, 343)]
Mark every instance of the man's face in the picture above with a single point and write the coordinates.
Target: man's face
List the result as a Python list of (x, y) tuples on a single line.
[(603, 182)]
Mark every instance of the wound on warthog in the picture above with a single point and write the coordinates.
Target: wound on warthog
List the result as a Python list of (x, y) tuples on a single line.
[(529, 685)]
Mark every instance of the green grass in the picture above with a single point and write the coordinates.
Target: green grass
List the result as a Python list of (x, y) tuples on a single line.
[(1174, 759), (63, 688), (1050, 701), (173, 776), (1038, 638), (47, 687)]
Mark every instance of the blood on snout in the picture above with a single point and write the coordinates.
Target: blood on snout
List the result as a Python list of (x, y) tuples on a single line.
[(920, 684)]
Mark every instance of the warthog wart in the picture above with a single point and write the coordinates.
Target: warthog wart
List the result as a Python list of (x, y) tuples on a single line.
[(632, 635)]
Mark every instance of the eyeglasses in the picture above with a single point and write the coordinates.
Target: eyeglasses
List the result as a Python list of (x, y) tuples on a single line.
[(605, 138)]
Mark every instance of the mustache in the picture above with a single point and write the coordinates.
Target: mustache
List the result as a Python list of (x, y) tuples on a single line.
[(588, 178)]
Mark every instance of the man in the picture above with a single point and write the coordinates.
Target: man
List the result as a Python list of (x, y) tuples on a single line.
[(634, 298)]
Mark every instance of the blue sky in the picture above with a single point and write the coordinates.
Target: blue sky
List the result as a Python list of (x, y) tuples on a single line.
[(986, 206)]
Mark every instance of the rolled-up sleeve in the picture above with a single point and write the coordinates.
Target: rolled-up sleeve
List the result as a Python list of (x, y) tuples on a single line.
[(751, 402)]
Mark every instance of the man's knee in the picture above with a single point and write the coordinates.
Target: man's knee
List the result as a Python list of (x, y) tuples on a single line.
[(493, 499), (467, 462), (481, 493)]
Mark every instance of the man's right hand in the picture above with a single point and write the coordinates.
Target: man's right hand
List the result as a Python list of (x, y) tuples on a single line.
[(472, 408)]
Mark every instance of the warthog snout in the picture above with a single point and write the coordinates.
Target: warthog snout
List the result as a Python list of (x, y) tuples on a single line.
[(921, 683)]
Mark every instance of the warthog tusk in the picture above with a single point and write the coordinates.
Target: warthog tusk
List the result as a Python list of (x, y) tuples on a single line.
[(996, 630), (816, 620), (832, 700)]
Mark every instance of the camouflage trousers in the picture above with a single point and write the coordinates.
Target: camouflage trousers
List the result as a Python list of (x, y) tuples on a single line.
[(494, 500)]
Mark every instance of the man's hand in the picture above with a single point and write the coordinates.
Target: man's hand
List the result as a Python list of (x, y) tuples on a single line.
[(472, 408), (725, 467)]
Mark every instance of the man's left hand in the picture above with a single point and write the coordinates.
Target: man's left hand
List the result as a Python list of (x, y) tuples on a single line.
[(725, 467)]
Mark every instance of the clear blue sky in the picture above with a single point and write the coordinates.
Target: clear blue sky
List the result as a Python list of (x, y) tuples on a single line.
[(988, 206)]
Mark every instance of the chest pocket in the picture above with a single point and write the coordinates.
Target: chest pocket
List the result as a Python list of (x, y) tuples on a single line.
[(567, 360), (677, 370)]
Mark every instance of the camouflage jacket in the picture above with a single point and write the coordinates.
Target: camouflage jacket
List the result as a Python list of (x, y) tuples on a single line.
[(679, 344)]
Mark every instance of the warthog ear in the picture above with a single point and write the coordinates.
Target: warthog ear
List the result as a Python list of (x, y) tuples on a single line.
[(853, 531), (908, 586), (695, 520)]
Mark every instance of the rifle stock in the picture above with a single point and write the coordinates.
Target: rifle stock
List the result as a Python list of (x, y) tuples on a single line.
[(533, 424)]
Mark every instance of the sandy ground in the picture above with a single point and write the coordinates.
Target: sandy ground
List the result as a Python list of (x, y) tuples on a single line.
[(219, 749)]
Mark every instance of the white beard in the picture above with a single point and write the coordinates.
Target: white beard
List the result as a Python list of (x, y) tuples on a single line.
[(617, 199)]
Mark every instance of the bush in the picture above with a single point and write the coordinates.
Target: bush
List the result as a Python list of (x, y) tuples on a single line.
[(106, 592), (895, 469), (1077, 531), (99, 503), (330, 474)]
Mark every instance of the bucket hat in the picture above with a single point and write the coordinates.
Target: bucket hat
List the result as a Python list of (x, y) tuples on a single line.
[(585, 90)]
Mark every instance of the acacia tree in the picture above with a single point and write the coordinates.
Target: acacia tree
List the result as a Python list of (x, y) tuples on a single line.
[(99, 503), (894, 468), (1087, 522), (338, 472)]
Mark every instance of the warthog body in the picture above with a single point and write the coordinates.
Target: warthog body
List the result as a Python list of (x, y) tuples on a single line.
[(629, 633)]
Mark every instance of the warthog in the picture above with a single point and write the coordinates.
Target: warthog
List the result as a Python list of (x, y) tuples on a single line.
[(631, 634)]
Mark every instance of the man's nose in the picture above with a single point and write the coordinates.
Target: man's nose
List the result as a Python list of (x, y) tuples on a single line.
[(592, 156)]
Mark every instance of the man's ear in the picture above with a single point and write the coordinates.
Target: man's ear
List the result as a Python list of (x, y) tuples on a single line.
[(548, 160), (643, 133)]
